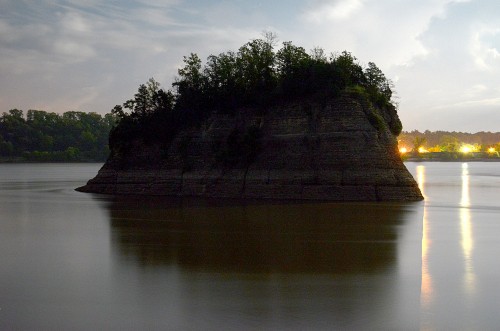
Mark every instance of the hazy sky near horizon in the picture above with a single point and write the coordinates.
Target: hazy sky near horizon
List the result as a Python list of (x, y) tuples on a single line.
[(89, 55)]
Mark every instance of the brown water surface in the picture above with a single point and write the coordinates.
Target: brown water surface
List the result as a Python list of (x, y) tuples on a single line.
[(70, 260)]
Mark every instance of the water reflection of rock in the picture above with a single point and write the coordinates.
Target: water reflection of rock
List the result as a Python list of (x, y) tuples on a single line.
[(264, 238)]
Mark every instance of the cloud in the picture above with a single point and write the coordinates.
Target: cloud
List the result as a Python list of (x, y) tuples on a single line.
[(337, 10), (484, 47), (74, 55), (385, 32), (90, 55), (458, 79), (73, 22)]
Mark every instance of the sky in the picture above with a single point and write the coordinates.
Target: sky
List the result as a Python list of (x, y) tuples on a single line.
[(88, 55)]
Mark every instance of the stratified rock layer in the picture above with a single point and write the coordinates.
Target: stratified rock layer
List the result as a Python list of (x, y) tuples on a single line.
[(341, 149)]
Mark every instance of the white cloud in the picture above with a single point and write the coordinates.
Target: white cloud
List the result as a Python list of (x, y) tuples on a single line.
[(73, 22), (455, 87), (160, 3), (385, 32), (485, 54), (7, 34), (87, 56), (73, 51), (338, 10)]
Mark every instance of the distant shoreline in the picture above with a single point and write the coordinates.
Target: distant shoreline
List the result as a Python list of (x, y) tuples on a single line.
[(410, 159), (455, 160), (23, 161), (414, 159)]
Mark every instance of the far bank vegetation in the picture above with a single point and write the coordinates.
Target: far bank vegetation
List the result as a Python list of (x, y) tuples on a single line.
[(449, 146), (40, 136)]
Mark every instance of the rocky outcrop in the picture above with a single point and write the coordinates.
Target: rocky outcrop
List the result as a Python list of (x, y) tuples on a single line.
[(339, 149)]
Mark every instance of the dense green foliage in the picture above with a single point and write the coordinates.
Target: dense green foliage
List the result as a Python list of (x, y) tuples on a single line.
[(255, 76), (43, 136)]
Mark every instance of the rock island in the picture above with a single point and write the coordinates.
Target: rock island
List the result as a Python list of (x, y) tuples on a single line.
[(261, 124)]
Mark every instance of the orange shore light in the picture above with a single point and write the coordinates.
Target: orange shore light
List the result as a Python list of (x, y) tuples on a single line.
[(422, 150)]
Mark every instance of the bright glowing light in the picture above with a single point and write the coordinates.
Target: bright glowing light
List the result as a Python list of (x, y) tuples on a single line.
[(465, 149), (403, 150), (491, 150), (422, 150)]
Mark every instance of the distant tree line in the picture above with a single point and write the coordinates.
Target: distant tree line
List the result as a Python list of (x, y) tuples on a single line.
[(444, 141), (44, 136), (256, 76)]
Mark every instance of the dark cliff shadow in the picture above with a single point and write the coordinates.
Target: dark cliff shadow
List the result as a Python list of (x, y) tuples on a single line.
[(232, 236)]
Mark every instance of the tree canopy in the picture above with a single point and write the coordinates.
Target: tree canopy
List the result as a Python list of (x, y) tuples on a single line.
[(44, 136), (256, 75)]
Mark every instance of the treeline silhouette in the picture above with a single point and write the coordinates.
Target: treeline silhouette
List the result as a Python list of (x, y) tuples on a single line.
[(44, 136), (256, 76), (449, 141)]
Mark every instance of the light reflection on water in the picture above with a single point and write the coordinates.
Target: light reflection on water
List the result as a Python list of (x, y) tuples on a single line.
[(467, 240), (466, 237), (460, 235), (426, 286)]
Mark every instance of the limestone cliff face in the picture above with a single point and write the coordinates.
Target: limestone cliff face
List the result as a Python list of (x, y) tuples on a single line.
[(340, 149)]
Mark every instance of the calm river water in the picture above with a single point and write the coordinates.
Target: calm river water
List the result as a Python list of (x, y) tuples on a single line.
[(76, 261)]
